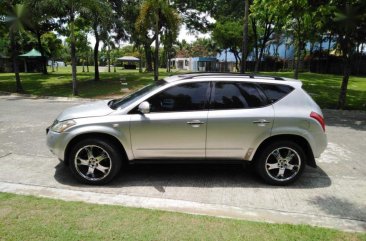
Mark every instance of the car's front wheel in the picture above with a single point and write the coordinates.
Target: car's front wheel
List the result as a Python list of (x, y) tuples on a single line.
[(281, 163), (94, 161)]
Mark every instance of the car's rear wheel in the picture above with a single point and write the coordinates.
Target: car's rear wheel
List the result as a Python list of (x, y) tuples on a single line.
[(281, 163), (94, 161)]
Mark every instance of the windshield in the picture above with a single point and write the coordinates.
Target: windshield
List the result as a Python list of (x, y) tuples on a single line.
[(125, 101)]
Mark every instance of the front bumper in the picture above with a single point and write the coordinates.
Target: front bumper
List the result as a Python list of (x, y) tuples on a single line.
[(57, 143)]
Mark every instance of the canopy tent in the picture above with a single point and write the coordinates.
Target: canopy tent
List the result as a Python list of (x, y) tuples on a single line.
[(130, 61), (32, 61), (33, 53)]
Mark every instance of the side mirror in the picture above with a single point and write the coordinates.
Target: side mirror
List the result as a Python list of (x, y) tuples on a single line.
[(144, 107)]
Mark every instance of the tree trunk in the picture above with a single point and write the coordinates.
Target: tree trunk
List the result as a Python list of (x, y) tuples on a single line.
[(257, 63), (256, 47), (321, 44), (87, 62), (329, 43), (156, 57), (109, 58), (14, 54), (297, 63), (343, 92), (83, 66), (245, 38), (96, 53), (140, 62), (53, 65), (73, 69), (73, 56), (149, 67), (285, 58), (298, 57), (237, 59), (44, 60)]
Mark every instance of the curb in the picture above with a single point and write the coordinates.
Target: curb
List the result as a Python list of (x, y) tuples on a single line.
[(190, 207), (30, 96)]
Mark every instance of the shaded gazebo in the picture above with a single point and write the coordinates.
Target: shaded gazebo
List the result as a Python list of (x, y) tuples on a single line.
[(33, 61), (129, 62)]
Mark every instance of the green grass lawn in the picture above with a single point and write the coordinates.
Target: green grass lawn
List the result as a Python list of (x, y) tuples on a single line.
[(323, 87), (59, 83), (30, 218)]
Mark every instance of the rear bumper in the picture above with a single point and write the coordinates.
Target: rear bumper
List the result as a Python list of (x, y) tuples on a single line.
[(319, 144)]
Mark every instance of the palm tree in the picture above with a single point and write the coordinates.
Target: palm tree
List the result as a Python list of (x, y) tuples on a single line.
[(17, 16), (155, 15)]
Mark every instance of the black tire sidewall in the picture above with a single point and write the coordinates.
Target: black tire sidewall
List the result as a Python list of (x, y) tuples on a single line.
[(112, 150), (261, 162)]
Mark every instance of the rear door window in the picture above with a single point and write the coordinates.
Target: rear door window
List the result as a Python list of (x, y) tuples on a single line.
[(275, 92), (237, 95)]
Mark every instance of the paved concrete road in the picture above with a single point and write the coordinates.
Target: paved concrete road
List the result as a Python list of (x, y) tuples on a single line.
[(333, 195)]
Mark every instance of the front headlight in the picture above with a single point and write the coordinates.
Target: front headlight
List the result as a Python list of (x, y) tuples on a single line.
[(62, 125)]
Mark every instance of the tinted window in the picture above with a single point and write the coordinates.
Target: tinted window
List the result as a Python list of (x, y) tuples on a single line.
[(125, 101), (276, 92), (236, 95), (184, 97)]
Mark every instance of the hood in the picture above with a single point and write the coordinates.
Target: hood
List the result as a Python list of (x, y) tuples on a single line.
[(93, 109)]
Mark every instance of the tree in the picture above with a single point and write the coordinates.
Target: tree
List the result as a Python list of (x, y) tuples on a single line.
[(348, 23), (109, 44), (67, 12), (229, 36), (52, 46), (154, 16), (299, 20), (17, 17), (267, 17), (101, 20), (41, 21)]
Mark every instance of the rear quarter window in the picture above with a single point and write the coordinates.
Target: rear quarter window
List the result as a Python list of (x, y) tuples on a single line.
[(275, 92)]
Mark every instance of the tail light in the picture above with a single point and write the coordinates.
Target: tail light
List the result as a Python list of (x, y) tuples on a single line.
[(319, 118)]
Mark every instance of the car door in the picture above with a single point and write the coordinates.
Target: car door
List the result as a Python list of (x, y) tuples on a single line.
[(238, 117), (176, 124)]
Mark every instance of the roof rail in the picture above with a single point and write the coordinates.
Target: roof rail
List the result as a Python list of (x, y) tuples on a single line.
[(252, 76)]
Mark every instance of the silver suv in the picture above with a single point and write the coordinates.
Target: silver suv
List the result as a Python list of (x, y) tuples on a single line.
[(269, 121)]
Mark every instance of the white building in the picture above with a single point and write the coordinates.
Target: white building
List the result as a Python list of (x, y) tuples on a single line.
[(195, 64)]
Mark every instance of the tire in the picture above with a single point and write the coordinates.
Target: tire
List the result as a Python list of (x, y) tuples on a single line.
[(281, 163), (95, 161)]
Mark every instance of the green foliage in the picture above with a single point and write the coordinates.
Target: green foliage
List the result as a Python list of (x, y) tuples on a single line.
[(228, 35), (157, 10), (52, 45)]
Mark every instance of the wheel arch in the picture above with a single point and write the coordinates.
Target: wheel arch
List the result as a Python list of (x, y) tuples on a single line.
[(97, 135), (301, 141)]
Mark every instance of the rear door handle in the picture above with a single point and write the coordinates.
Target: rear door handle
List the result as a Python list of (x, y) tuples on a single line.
[(262, 121)]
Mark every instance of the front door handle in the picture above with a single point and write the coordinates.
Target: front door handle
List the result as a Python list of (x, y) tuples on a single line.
[(261, 121), (195, 122)]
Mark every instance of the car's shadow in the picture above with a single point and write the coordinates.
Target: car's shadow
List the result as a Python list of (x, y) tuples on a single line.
[(197, 175)]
